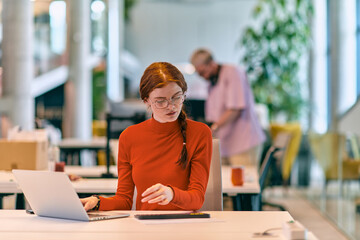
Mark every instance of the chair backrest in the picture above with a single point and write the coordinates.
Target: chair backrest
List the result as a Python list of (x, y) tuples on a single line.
[(294, 129), (265, 166), (275, 152), (328, 149), (213, 195), (114, 134)]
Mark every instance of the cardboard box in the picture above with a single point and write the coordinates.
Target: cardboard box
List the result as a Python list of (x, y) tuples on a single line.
[(30, 155)]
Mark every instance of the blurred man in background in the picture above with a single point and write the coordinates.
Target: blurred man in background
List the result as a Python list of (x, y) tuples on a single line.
[(230, 107)]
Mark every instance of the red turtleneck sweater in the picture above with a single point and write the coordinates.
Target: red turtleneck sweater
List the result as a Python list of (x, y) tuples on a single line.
[(147, 155)]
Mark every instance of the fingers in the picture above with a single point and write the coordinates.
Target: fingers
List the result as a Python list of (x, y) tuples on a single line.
[(151, 189), (88, 206), (158, 193), (159, 199), (88, 203)]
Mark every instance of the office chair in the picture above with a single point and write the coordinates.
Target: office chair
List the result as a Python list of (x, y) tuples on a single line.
[(112, 133), (274, 153), (195, 109), (213, 195)]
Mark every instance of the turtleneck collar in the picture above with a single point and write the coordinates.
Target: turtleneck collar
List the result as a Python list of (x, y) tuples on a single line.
[(168, 127)]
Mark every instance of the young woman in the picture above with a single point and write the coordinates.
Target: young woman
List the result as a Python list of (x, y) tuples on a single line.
[(166, 157)]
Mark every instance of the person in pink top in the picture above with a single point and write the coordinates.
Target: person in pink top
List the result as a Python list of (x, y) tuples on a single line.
[(230, 107)]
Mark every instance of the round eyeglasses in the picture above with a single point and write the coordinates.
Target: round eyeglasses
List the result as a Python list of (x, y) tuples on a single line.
[(164, 103)]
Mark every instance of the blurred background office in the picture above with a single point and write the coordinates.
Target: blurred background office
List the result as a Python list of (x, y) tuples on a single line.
[(66, 64)]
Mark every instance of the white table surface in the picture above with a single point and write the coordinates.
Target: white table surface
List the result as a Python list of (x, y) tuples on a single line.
[(251, 184), (102, 185), (8, 183), (92, 172), (96, 142), (16, 224)]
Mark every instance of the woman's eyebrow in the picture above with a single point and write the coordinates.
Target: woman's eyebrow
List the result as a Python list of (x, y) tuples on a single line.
[(179, 92)]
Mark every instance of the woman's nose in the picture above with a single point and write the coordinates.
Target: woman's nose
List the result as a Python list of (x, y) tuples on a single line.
[(171, 105)]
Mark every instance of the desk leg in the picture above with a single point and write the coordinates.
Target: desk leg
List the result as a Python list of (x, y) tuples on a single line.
[(20, 201), (256, 202), (2, 195), (236, 202), (246, 202)]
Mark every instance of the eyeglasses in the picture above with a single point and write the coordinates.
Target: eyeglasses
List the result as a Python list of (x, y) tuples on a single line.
[(164, 103)]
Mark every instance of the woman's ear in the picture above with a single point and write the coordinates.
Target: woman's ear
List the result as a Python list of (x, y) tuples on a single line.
[(147, 103)]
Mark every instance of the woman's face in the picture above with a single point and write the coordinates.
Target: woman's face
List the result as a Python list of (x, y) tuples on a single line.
[(166, 102)]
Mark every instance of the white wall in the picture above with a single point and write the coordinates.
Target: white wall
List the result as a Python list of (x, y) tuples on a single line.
[(170, 31)]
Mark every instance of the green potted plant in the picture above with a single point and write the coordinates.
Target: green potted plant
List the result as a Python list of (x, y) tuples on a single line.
[(272, 53)]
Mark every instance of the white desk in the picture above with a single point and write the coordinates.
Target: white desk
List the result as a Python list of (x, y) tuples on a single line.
[(74, 143), (244, 197), (8, 182), (251, 184), (16, 224), (8, 185), (92, 186), (90, 172)]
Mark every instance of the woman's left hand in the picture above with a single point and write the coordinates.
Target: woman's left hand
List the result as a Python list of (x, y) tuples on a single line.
[(158, 193)]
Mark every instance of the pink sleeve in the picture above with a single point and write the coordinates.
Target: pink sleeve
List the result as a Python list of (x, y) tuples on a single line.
[(235, 92)]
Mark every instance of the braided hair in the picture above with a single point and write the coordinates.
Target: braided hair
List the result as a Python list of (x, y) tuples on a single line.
[(158, 75)]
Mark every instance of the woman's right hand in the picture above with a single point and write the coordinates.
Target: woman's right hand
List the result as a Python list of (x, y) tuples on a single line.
[(89, 202)]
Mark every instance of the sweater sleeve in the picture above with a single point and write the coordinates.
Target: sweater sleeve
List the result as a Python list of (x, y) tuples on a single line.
[(193, 197), (125, 190)]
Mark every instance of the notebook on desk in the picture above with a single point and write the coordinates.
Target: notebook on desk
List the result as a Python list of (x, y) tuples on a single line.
[(51, 194)]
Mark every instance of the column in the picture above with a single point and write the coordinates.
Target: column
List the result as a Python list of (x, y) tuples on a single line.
[(17, 61), (115, 81), (342, 58), (318, 72), (334, 41), (78, 90)]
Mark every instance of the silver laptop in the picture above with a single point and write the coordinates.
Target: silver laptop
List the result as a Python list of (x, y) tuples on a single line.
[(51, 194)]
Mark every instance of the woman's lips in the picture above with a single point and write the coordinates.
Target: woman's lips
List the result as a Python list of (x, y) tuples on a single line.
[(171, 113)]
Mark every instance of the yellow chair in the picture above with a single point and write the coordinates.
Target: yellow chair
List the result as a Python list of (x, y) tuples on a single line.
[(294, 129), (328, 149)]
